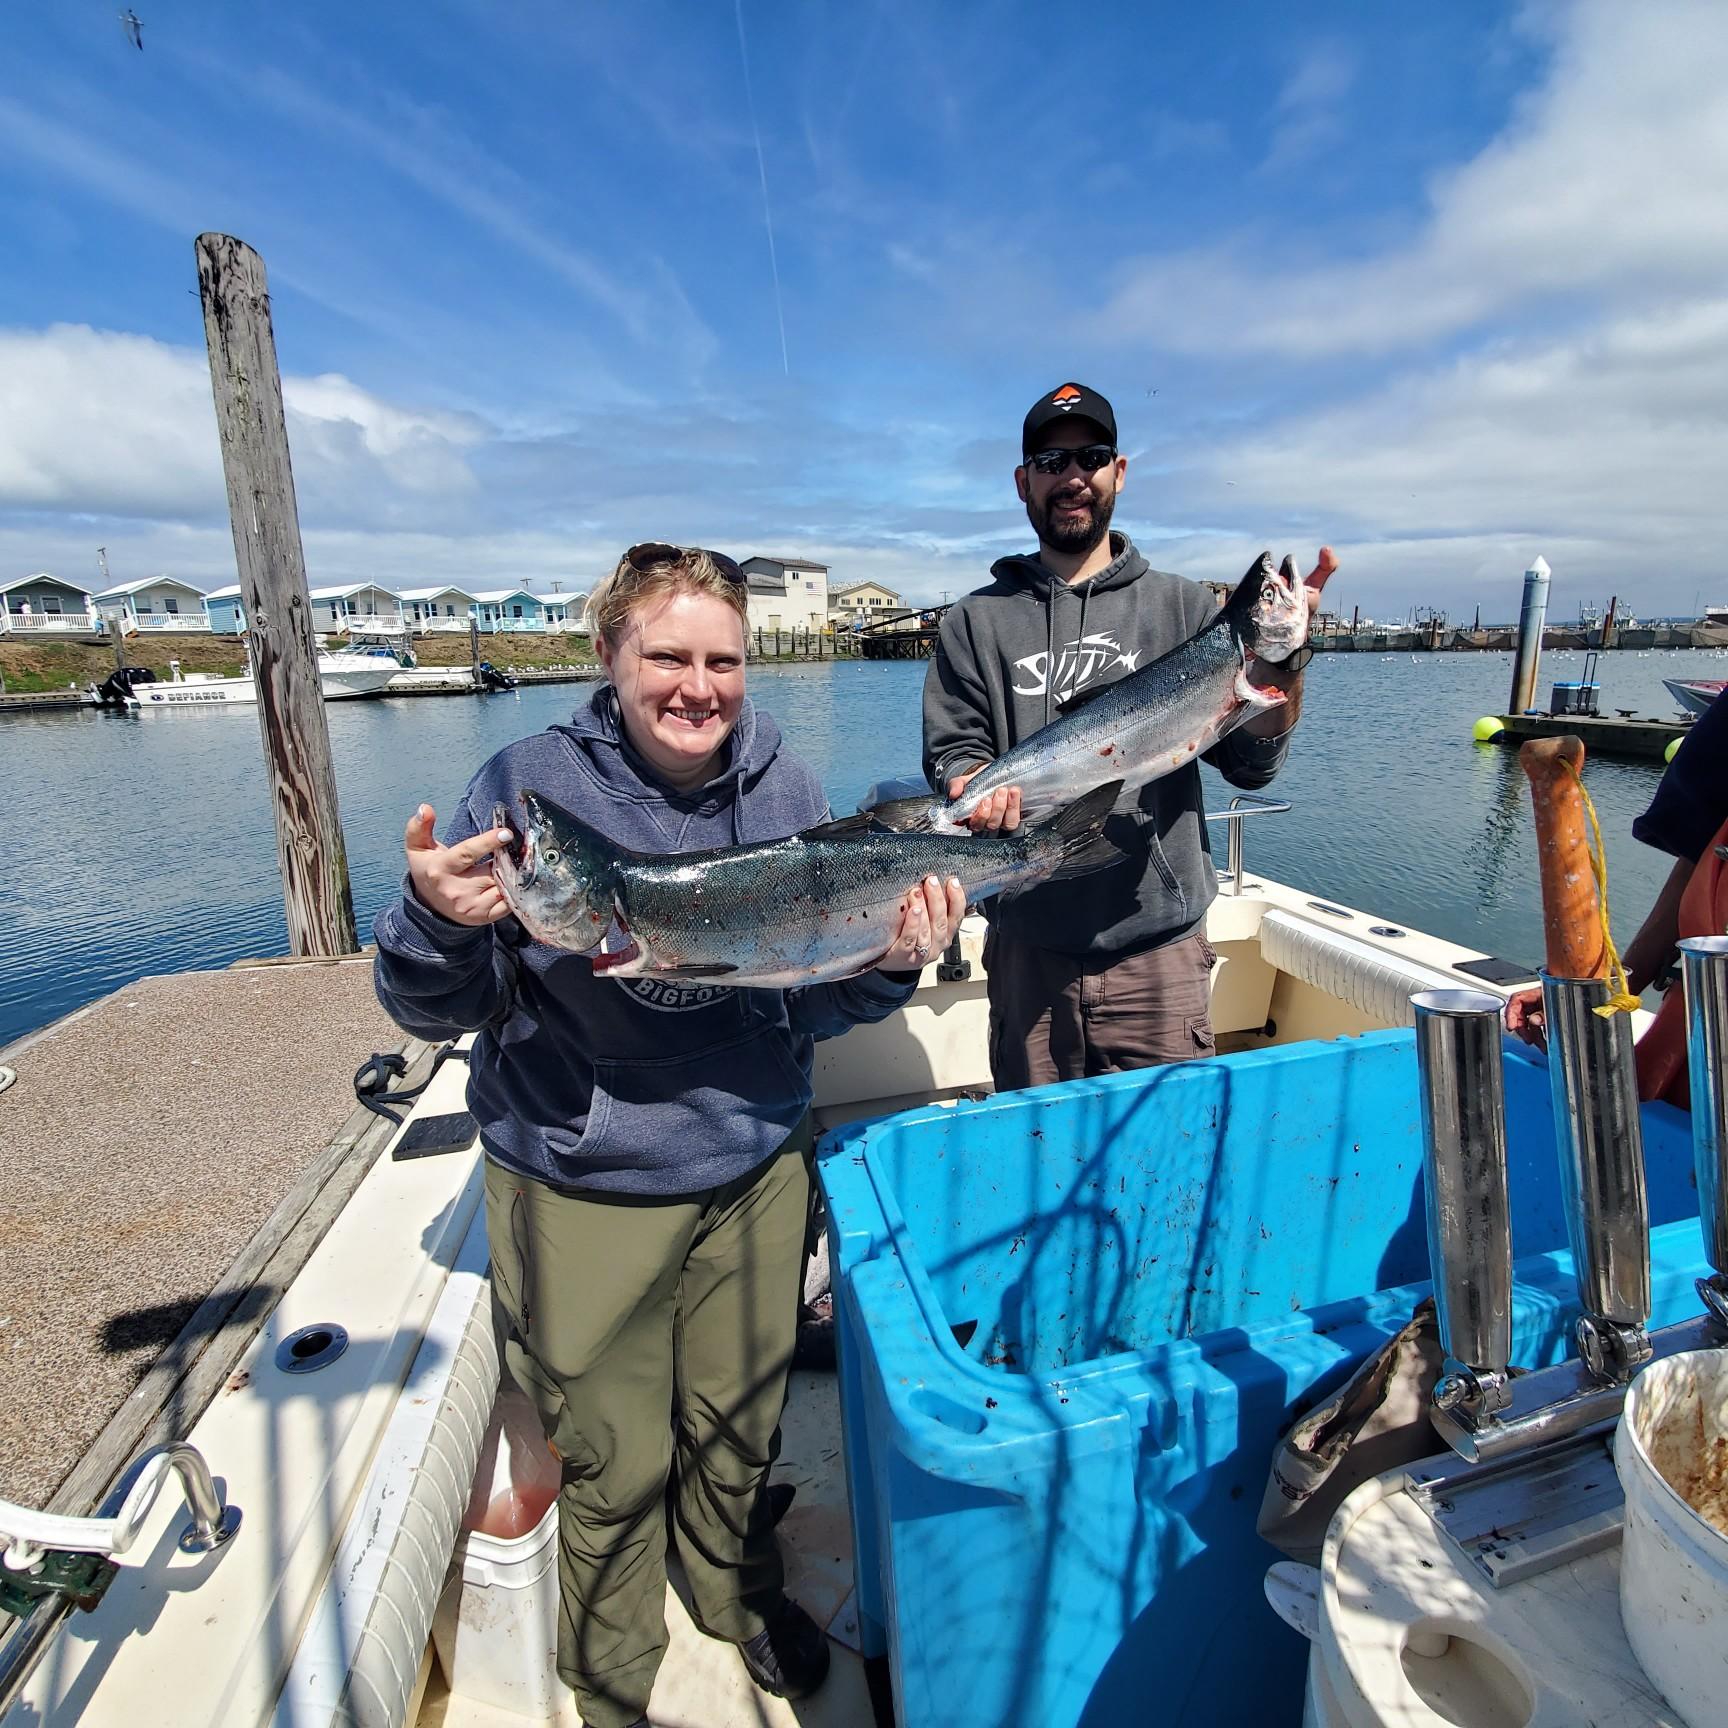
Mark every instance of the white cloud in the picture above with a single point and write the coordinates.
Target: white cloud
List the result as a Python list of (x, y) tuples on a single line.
[(99, 422), (1309, 115), (1608, 181)]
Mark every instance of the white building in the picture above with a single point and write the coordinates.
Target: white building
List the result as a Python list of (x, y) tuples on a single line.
[(155, 603), (786, 593)]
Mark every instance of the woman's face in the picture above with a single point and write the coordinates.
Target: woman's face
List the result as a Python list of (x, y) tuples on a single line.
[(678, 668)]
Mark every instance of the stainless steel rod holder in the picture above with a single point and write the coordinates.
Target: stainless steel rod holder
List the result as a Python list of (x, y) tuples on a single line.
[(1601, 1145), (1463, 1094), (1704, 976)]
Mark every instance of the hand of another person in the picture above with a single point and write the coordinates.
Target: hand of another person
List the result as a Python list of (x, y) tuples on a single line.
[(456, 881), (1525, 1019), (997, 814), (933, 913)]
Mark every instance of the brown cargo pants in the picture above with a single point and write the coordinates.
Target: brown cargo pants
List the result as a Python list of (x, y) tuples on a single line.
[(1062, 1017), (654, 1336)]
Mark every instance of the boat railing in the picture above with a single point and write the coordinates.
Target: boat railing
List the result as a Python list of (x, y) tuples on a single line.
[(51, 1563), (1243, 804)]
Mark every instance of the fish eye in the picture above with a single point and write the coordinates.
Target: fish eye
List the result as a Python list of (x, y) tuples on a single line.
[(550, 857)]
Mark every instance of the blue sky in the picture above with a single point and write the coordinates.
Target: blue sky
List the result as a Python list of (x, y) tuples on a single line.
[(1442, 286)]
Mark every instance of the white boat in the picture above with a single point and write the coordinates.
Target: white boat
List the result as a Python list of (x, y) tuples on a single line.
[(1694, 694), (352, 1479), (341, 674)]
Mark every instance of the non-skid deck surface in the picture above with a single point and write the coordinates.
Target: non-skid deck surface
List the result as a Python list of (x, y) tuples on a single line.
[(146, 1140)]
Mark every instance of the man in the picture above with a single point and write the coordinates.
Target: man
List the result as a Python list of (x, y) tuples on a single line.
[(1109, 971)]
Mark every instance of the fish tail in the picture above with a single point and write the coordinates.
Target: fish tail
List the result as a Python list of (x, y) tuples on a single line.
[(1080, 828)]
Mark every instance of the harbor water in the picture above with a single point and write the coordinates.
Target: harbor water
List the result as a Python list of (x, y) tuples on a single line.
[(145, 844)]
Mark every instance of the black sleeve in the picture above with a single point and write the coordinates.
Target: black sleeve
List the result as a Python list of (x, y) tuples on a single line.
[(1692, 801)]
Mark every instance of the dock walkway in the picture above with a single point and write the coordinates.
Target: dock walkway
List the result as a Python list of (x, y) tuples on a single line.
[(149, 1138)]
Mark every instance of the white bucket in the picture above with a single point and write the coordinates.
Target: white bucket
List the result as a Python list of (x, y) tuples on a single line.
[(496, 1625), (1671, 1450)]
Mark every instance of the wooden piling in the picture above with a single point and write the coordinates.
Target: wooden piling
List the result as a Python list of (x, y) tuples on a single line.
[(272, 566)]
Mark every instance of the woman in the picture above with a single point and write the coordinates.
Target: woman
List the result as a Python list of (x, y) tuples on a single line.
[(646, 1140)]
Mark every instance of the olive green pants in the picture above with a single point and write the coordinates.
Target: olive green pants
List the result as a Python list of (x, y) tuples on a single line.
[(654, 1336)]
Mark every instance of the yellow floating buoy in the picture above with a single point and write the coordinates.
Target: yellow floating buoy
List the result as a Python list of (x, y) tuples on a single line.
[(1487, 729), (1673, 745)]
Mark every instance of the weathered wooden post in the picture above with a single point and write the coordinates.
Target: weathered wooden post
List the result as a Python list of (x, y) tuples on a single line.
[(119, 636), (474, 648), (278, 608)]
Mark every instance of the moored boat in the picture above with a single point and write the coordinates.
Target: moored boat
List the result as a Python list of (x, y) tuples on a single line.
[(342, 674), (354, 1477)]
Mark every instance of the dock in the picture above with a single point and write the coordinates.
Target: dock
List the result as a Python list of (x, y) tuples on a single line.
[(27, 701), (172, 1157), (1621, 735)]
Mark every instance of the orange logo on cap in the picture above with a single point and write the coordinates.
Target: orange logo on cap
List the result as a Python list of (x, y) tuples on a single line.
[(1066, 397)]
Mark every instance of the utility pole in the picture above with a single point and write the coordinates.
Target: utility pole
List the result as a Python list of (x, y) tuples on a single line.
[(272, 563)]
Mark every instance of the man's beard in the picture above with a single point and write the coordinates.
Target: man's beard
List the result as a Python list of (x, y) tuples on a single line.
[(1075, 538)]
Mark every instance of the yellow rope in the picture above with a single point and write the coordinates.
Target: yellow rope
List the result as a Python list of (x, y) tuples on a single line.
[(1621, 1000)]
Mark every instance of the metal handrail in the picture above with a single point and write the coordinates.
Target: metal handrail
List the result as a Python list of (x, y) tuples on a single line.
[(1233, 870)]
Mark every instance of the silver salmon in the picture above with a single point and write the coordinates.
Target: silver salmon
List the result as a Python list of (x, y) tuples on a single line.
[(775, 914), (1150, 723)]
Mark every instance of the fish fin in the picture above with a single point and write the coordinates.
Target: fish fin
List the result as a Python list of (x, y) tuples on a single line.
[(1247, 591), (863, 823), (714, 969), (1081, 828), (898, 816)]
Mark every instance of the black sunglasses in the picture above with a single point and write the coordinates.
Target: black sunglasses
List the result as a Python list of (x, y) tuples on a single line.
[(652, 552), (1091, 457)]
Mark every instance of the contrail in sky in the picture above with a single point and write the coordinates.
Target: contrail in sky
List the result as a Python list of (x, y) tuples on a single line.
[(762, 169)]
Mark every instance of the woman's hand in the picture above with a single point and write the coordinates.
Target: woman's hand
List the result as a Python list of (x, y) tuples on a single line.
[(932, 915), (456, 881)]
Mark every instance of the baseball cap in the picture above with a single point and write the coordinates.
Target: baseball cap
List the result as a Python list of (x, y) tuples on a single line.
[(1066, 402)]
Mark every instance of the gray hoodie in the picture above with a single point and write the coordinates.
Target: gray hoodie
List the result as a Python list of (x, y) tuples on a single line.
[(1009, 656)]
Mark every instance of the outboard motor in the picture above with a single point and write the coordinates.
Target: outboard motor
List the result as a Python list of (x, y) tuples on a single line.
[(492, 679), (117, 686)]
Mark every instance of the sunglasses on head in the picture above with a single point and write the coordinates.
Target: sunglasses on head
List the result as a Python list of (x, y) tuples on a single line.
[(1090, 457), (652, 552)]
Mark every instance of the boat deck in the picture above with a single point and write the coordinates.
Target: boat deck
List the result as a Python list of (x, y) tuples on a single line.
[(149, 1137)]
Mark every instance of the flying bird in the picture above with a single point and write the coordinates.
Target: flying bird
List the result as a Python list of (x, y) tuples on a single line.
[(133, 25)]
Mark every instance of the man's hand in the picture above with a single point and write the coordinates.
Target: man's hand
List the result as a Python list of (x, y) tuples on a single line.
[(456, 881), (997, 814), (1525, 1019), (932, 914), (1275, 722)]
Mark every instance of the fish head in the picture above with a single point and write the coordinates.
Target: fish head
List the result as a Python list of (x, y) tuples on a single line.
[(557, 874), (1274, 624)]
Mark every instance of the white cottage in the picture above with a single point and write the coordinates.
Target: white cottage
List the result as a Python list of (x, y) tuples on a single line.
[(155, 604), (562, 612), (440, 609), (44, 605), (362, 606)]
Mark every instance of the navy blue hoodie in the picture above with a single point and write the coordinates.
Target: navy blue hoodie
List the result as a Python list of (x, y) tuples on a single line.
[(626, 1085)]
